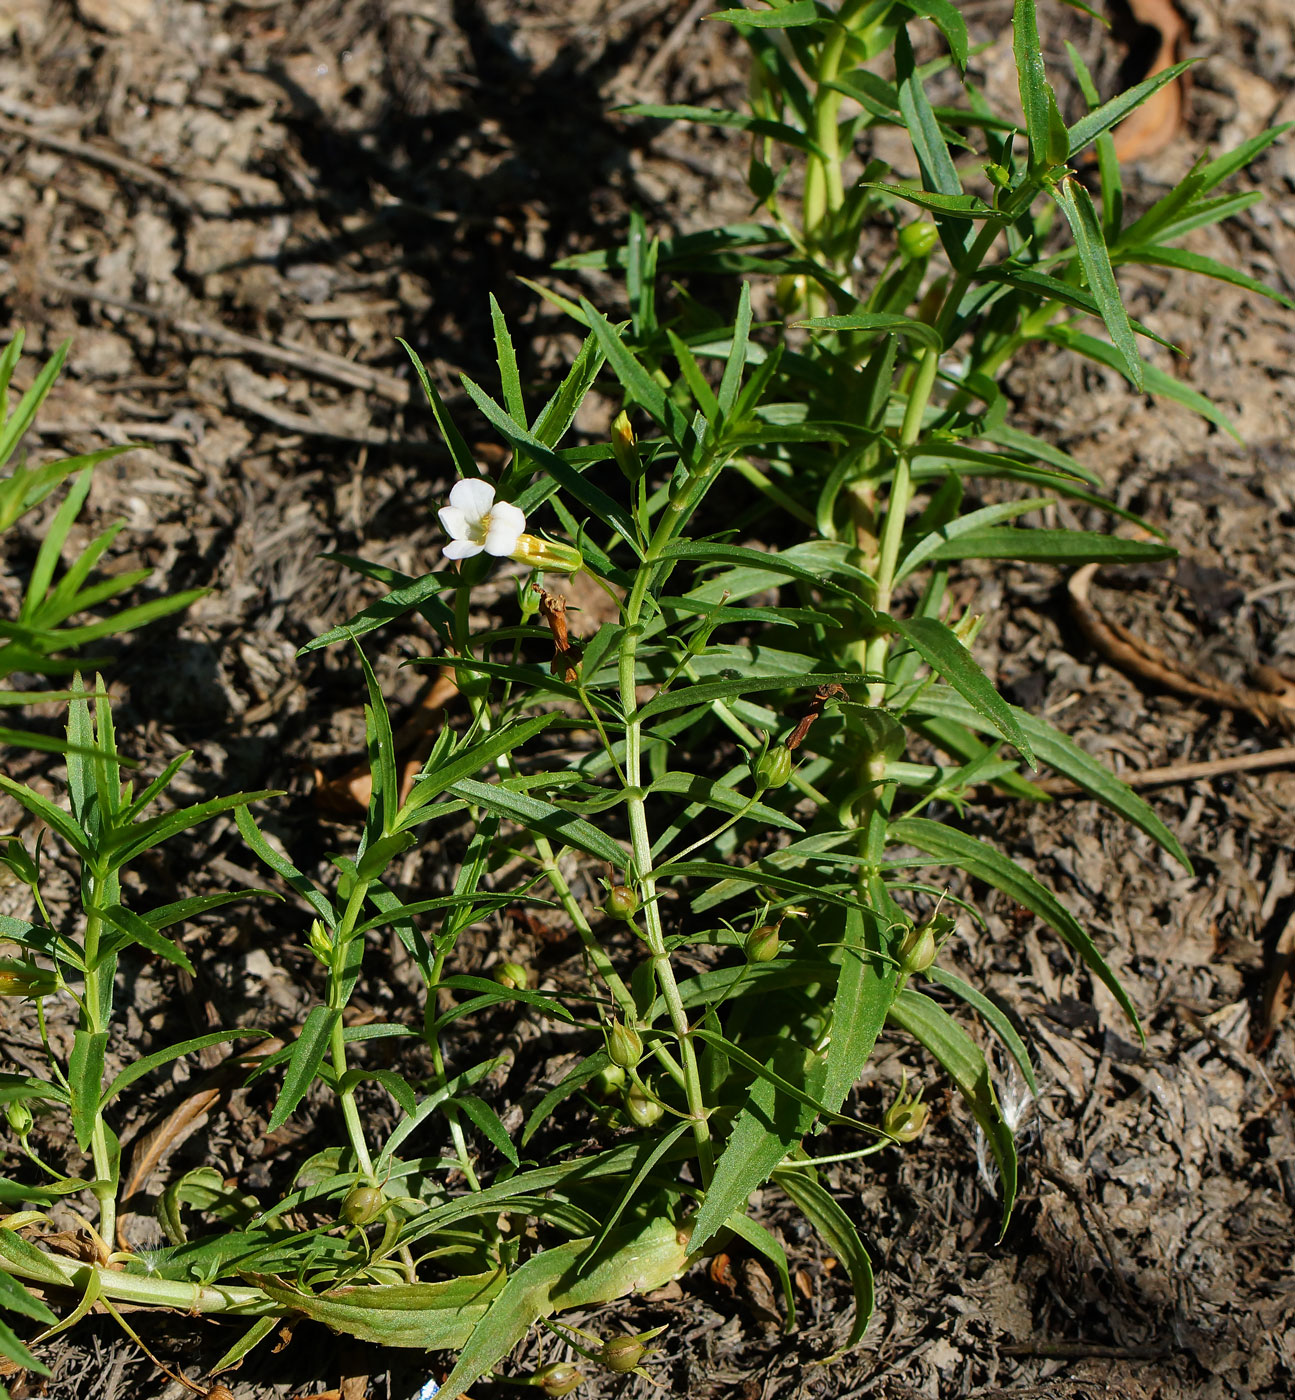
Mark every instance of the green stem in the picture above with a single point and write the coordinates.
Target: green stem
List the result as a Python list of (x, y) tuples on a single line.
[(105, 1188), (350, 1111), (641, 842), (877, 649)]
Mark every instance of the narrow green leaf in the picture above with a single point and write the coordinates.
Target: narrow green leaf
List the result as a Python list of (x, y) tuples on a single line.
[(937, 645), (838, 1233), (952, 206), (487, 1122), (1103, 118), (158, 1058), (1043, 123), (1076, 204), (865, 989), (140, 931), (12, 1348), (85, 1080), (307, 1055), (920, 331), (535, 814), (993, 1016), (1049, 546), (284, 868), (939, 174), (464, 462), (1062, 754), (15, 1298), (419, 593), (509, 738), (767, 1243), (1156, 380), (1157, 255), (767, 1127), (794, 15), (705, 692), (952, 847), (962, 1061)]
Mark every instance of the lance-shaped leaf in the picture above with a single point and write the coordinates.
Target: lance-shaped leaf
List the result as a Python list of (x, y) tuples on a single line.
[(838, 1233), (962, 1061), (1076, 204), (952, 847)]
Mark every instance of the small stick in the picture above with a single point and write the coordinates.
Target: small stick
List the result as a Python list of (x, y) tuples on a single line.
[(1187, 772), (321, 363), (1130, 653), (163, 181)]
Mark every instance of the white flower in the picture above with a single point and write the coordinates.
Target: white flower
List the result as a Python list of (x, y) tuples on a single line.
[(475, 522)]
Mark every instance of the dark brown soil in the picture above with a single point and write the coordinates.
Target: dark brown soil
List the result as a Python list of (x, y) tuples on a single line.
[(324, 176)]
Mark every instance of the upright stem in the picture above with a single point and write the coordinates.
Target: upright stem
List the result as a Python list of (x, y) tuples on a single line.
[(346, 1094), (105, 1189), (641, 841), (877, 649)]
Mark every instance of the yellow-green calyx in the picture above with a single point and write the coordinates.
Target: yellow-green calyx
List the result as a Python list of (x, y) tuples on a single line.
[(547, 555), (624, 447), (773, 768), (24, 979), (622, 902)]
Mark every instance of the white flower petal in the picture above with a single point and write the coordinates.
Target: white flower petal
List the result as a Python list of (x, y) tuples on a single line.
[(506, 525), (453, 522), (473, 497), (460, 549)]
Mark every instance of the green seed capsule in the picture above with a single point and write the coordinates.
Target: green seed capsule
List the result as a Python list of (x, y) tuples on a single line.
[(624, 1045), (511, 974), (19, 1116), (558, 1378), (622, 902), (773, 769), (643, 1110), (621, 1354), (762, 944), (905, 1118), (608, 1083), (917, 240), (362, 1205)]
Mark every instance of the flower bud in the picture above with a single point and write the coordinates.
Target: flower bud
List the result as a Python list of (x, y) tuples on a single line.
[(762, 943), (321, 942), (773, 768), (558, 1378), (24, 979), (916, 240), (621, 1354), (624, 1045), (511, 974), (622, 902), (906, 1117), (362, 1205), (643, 1110), (19, 1116), (547, 555), (624, 447)]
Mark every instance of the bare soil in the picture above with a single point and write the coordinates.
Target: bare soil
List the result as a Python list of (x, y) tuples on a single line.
[(321, 177)]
